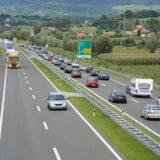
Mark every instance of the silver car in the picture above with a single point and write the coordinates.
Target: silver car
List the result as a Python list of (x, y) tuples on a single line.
[(151, 111), (57, 100)]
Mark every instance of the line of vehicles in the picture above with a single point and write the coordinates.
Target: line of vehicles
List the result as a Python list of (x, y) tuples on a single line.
[(137, 86)]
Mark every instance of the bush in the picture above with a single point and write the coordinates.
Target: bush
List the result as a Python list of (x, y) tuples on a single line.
[(128, 42)]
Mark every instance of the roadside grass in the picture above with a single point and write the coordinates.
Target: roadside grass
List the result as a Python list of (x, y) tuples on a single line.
[(131, 148), (60, 83), (1, 51), (111, 130)]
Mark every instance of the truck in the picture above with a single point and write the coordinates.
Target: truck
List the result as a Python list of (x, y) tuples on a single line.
[(140, 87), (13, 59)]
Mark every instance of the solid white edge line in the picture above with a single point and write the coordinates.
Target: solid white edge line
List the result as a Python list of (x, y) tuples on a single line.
[(45, 125), (56, 153), (134, 100), (3, 102), (97, 134), (38, 108), (33, 96), (102, 139)]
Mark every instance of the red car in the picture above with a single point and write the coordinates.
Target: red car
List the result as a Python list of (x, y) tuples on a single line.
[(50, 57), (76, 73), (92, 82)]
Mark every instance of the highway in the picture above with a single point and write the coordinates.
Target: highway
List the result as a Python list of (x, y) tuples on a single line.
[(29, 131), (134, 104)]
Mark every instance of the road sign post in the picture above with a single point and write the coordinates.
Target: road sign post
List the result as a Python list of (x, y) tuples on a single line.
[(84, 48)]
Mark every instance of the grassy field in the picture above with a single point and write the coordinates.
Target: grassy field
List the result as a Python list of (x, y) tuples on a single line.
[(85, 29)]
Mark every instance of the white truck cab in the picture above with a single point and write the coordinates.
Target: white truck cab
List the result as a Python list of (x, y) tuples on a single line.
[(140, 87)]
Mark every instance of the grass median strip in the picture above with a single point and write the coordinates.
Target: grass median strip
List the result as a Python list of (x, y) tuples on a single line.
[(130, 147)]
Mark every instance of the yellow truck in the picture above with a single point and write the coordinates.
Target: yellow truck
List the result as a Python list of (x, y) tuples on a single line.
[(13, 59)]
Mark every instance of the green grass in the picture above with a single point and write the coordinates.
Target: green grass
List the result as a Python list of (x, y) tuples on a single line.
[(131, 148), (58, 82), (1, 51), (85, 29)]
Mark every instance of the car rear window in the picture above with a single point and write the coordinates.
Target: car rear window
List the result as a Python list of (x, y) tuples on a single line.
[(154, 107)]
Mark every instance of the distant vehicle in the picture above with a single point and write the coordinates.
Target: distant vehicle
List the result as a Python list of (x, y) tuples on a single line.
[(68, 69), (150, 111), (13, 59), (95, 72), (76, 73), (57, 100), (50, 57), (83, 67), (118, 96), (63, 65), (158, 101), (89, 69), (56, 62), (103, 76), (92, 82), (68, 62), (75, 65), (140, 87)]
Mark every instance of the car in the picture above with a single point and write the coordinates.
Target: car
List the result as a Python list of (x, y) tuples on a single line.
[(63, 65), (68, 69), (75, 64), (92, 82), (56, 62), (117, 96), (95, 72), (89, 69), (158, 101), (150, 111), (83, 67), (76, 73), (103, 76), (56, 100), (50, 57)]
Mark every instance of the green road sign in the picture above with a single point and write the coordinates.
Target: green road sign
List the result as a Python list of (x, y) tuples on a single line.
[(84, 49)]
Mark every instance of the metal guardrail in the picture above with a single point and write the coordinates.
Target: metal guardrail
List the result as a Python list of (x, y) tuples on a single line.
[(139, 135)]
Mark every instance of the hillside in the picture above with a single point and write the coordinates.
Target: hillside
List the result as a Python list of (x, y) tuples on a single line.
[(83, 8)]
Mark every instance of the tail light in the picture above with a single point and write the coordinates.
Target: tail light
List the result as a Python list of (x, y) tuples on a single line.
[(136, 91), (149, 112)]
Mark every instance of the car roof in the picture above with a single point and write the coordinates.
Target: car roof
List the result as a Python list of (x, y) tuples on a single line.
[(56, 93)]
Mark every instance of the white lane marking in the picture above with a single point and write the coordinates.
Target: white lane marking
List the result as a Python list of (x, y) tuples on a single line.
[(103, 85), (118, 82), (27, 82), (85, 75), (38, 108), (22, 70), (56, 153), (33, 96), (30, 88), (25, 77), (45, 126), (102, 139), (97, 134), (24, 73), (3, 102), (134, 100)]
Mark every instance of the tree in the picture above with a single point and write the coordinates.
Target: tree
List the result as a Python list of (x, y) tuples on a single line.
[(37, 29), (153, 25), (103, 45), (152, 44)]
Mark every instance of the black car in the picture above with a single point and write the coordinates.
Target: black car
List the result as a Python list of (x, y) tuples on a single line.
[(95, 72), (63, 65), (68, 69), (56, 62), (103, 76), (89, 69), (118, 96)]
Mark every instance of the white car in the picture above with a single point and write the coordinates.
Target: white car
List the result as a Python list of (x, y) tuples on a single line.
[(75, 65)]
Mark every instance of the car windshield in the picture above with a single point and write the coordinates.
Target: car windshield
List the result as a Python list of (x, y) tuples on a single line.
[(104, 74), (144, 86), (56, 97), (119, 94), (154, 107)]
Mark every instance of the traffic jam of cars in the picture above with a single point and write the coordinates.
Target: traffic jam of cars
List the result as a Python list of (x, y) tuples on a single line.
[(137, 87)]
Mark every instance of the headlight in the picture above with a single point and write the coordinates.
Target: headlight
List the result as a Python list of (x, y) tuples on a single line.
[(64, 104)]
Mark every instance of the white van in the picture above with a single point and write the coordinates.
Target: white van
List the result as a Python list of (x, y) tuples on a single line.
[(140, 87)]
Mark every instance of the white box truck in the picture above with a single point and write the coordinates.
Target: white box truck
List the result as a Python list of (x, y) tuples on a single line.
[(140, 87)]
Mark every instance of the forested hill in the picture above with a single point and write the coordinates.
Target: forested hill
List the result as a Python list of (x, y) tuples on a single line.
[(83, 8)]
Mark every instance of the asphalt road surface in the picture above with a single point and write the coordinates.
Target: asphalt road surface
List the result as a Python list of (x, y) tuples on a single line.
[(31, 132)]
